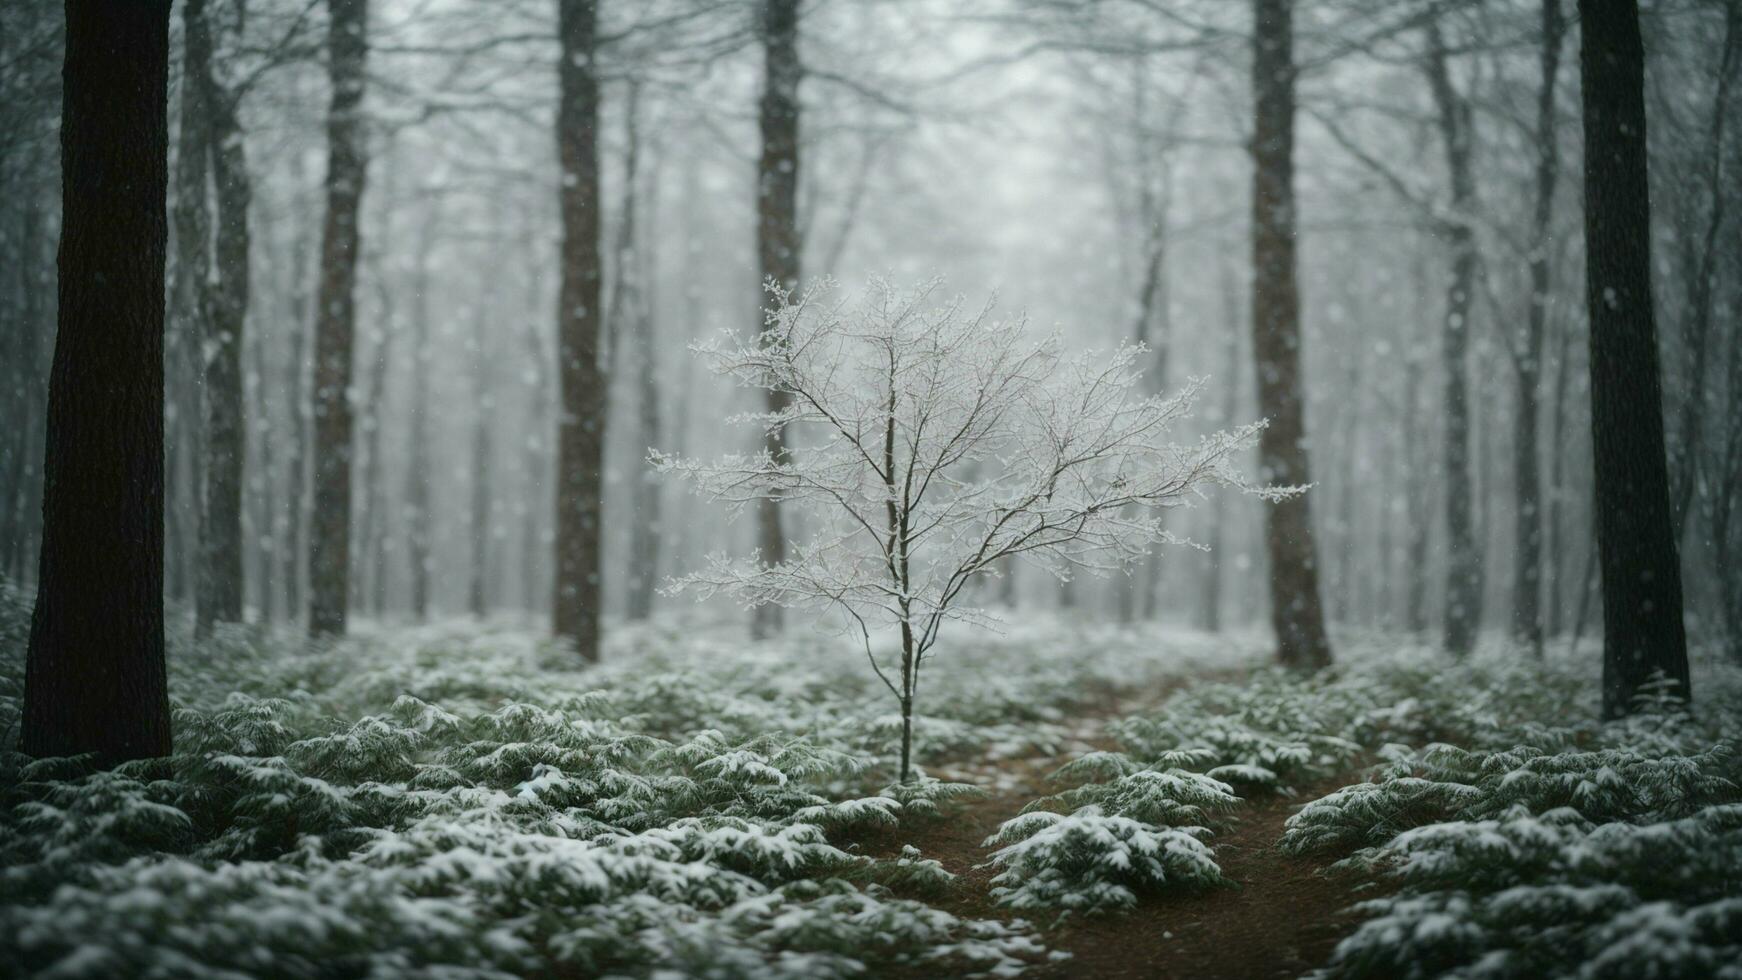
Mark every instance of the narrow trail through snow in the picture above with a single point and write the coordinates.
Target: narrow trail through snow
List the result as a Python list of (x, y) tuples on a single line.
[(1281, 920)]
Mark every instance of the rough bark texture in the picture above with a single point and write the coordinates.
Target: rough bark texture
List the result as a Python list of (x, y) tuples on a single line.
[(94, 676), (335, 321), (1641, 575), (581, 425), (777, 235), (219, 582), (1295, 609), (1463, 554), (1526, 458)]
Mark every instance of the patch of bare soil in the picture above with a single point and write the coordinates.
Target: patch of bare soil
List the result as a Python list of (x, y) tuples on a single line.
[(1280, 920)]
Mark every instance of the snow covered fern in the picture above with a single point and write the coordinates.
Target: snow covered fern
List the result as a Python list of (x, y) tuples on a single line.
[(1090, 861), (1556, 895)]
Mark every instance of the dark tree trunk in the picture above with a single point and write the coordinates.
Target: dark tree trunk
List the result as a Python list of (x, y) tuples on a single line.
[(1641, 575), (219, 582), (1463, 555), (581, 424), (94, 677), (1526, 457), (335, 321), (777, 236), (1295, 609)]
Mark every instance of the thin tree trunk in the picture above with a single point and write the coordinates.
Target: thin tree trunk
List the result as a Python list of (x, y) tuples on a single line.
[(1526, 456), (372, 478), (777, 239), (1463, 554), (20, 389), (265, 487), (1642, 589), (94, 674), (1700, 281), (193, 306), (582, 386), (371, 505), (297, 481), (221, 579), (534, 458), (1558, 486), (335, 321), (418, 469), (482, 406), (1296, 612), (1212, 610), (645, 524)]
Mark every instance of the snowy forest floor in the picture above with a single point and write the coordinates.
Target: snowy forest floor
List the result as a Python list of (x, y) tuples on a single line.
[(1281, 918), (464, 799)]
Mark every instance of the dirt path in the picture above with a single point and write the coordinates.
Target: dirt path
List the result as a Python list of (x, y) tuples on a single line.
[(1281, 921)]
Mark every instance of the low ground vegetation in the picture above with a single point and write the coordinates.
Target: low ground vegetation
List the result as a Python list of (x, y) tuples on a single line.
[(455, 800)]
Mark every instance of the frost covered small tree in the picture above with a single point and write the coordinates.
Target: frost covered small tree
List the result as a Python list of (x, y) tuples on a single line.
[(941, 441)]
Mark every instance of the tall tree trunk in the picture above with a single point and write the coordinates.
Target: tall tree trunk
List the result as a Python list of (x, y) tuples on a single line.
[(335, 320), (418, 469), (534, 456), (1700, 281), (1295, 610), (264, 487), (1526, 457), (21, 359), (644, 527), (1153, 329), (220, 587), (1641, 575), (483, 407), (192, 325), (1348, 447), (1463, 555), (296, 372), (1557, 481), (94, 674), (1212, 610), (581, 425), (372, 513), (777, 237), (631, 326)]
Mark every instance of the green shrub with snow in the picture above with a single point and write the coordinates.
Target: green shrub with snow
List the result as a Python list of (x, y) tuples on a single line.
[(458, 801), (1546, 844), (1090, 861), (1443, 783), (1556, 895)]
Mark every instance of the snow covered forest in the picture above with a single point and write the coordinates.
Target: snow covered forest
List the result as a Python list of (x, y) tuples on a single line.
[(871, 488)]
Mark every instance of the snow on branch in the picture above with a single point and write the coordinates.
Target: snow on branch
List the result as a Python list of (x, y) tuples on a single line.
[(941, 440)]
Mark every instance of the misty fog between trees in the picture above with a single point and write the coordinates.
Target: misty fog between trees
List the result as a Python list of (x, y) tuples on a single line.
[(830, 488)]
